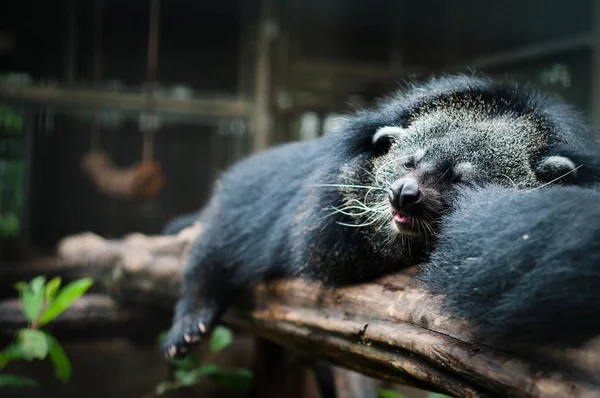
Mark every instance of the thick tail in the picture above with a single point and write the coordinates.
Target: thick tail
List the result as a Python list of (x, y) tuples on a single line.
[(522, 265)]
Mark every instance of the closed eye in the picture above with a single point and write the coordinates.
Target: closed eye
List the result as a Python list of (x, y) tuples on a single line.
[(456, 177), (410, 163)]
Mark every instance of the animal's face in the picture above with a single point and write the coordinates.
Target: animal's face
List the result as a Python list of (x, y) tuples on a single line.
[(414, 178)]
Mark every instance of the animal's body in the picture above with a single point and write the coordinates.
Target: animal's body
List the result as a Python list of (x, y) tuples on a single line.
[(521, 266), (367, 200)]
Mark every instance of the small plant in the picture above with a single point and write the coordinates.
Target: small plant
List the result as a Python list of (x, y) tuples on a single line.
[(384, 393), (41, 303), (190, 371)]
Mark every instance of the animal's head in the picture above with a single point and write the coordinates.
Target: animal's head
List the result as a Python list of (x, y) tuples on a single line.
[(427, 148)]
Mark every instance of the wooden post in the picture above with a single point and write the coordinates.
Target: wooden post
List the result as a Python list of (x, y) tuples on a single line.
[(70, 64), (263, 120)]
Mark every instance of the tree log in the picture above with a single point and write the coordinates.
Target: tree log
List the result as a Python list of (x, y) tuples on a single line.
[(388, 329)]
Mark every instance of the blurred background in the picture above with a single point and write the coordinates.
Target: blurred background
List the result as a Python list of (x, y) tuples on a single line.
[(116, 116)]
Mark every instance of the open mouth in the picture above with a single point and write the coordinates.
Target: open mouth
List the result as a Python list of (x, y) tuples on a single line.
[(403, 219)]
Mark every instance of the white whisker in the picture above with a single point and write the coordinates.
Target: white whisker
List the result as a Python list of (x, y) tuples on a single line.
[(556, 179), (345, 186)]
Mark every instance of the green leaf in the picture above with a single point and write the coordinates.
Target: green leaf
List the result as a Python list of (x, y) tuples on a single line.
[(233, 379), (236, 379), (208, 369), (383, 393), (33, 344), (437, 395), (188, 362), (221, 338), (61, 362), (65, 297), (32, 298), (164, 386), (52, 287), (10, 353), (21, 286), (8, 380), (187, 377)]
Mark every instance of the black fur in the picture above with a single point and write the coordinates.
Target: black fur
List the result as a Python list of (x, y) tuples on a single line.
[(269, 214), (266, 220), (522, 265)]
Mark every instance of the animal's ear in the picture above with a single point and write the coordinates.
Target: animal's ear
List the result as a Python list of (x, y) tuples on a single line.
[(556, 167), (384, 136)]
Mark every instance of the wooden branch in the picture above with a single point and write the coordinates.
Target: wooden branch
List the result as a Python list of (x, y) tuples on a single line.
[(206, 106), (388, 329)]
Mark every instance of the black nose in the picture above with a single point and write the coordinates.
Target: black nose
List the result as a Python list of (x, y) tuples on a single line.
[(405, 195)]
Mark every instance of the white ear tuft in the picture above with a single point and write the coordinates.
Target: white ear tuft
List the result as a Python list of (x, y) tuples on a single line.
[(388, 132), (556, 166)]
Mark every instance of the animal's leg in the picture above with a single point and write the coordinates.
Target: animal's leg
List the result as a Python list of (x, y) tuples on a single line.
[(206, 293)]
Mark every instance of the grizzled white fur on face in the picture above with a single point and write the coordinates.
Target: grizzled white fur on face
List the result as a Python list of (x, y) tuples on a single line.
[(472, 148), (441, 149), (499, 149)]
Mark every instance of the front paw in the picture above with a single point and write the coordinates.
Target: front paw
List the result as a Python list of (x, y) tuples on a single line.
[(184, 333)]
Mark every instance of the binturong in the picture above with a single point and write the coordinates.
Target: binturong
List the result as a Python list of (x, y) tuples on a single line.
[(367, 199)]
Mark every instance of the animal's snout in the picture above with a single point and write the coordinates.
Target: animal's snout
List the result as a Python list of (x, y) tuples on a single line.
[(405, 195)]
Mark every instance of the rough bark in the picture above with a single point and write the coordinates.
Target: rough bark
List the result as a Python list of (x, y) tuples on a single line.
[(388, 329)]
